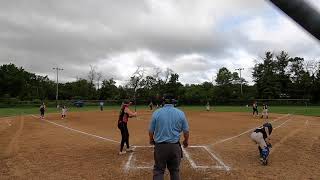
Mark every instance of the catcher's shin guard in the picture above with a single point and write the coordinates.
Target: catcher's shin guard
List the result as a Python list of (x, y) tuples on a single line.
[(265, 154)]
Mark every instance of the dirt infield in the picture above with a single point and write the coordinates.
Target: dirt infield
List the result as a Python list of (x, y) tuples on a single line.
[(85, 146)]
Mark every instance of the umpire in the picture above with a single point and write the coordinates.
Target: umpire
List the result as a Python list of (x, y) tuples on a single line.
[(166, 126)]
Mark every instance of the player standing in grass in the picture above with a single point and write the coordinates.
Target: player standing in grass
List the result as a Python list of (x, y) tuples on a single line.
[(63, 112), (208, 106), (42, 109), (125, 114), (255, 109), (101, 105), (264, 110), (261, 136), (151, 105)]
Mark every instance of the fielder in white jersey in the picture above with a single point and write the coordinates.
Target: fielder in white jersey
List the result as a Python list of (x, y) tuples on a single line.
[(63, 112), (208, 106), (101, 105), (264, 111)]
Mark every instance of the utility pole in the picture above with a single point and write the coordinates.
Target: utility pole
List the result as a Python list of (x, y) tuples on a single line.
[(57, 92), (212, 79), (240, 69)]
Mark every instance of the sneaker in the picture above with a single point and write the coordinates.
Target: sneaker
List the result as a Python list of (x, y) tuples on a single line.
[(130, 149), (265, 162), (123, 152)]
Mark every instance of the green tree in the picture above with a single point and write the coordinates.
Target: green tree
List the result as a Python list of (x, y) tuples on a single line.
[(301, 80), (282, 74), (109, 90), (173, 85), (264, 75), (224, 77)]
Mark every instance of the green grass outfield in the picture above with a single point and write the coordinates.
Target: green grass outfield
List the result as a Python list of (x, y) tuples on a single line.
[(301, 110)]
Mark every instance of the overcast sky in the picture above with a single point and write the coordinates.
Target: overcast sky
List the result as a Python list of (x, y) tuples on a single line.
[(193, 38)]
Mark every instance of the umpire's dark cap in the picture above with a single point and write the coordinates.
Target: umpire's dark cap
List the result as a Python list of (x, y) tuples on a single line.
[(168, 98)]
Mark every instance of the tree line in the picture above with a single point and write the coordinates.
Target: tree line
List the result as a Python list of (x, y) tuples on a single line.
[(275, 76)]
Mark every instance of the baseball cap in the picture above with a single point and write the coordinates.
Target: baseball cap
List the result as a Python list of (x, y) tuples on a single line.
[(168, 96)]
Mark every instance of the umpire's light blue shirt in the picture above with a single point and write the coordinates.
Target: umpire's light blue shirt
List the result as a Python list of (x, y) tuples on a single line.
[(167, 124)]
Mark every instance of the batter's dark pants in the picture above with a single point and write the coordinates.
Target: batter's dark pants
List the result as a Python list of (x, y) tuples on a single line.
[(41, 113), (167, 155), (124, 135)]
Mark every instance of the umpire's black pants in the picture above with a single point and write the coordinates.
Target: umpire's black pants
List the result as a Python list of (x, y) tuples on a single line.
[(167, 155)]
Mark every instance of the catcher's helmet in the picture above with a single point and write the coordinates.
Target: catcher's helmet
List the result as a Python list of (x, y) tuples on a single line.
[(269, 126)]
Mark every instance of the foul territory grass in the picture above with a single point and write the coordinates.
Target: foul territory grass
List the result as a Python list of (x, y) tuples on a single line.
[(35, 110), (301, 110), (15, 111)]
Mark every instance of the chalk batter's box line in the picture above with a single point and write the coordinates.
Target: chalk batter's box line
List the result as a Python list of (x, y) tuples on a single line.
[(307, 123), (213, 157), (186, 154), (193, 164), (312, 124), (127, 166)]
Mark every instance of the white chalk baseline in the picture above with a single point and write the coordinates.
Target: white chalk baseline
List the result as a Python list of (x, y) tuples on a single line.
[(222, 166), (247, 131), (128, 166), (78, 131), (307, 123)]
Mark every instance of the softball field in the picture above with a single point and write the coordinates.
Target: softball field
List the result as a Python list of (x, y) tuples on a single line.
[(85, 145)]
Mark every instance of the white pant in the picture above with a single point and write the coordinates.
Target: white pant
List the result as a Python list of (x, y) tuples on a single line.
[(265, 112), (258, 139)]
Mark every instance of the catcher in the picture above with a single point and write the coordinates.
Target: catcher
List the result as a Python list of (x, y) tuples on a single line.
[(261, 136)]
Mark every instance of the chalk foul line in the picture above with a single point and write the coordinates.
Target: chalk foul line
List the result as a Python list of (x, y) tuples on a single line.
[(127, 166), (245, 132), (78, 131), (282, 123)]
